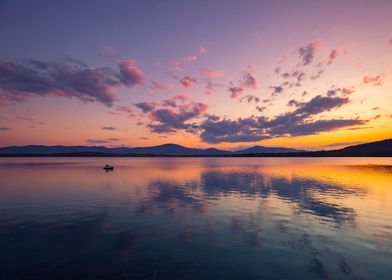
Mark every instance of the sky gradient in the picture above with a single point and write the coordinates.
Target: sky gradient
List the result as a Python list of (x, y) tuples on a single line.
[(225, 74)]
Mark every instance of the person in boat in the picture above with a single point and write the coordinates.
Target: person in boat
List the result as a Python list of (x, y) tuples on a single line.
[(108, 167)]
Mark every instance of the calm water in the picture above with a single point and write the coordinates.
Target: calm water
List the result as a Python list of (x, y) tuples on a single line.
[(196, 218)]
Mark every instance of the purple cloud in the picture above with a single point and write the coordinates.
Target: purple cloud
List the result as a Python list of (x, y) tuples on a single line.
[(171, 120), (307, 53), (216, 130), (147, 106), (250, 99), (249, 81), (108, 52), (188, 81), (295, 123), (67, 78), (130, 74), (108, 128), (235, 91)]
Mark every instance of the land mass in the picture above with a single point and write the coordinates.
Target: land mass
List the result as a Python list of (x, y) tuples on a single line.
[(373, 149)]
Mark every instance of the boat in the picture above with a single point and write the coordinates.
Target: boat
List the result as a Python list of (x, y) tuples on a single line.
[(108, 167)]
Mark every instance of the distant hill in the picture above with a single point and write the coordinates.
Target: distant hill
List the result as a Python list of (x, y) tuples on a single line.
[(262, 150), (165, 149), (379, 148)]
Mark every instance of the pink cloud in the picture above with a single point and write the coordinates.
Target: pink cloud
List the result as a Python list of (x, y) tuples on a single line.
[(130, 73), (211, 87), (210, 74), (374, 80), (68, 77), (307, 53), (108, 52), (172, 102), (169, 120), (190, 58), (179, 62), (147, 106), (202, 50), (123, 108), (155, 85), (235, 91), (188, 81), (3, 101), (194, 107), (24, 118), (248, 80), (335, 53)]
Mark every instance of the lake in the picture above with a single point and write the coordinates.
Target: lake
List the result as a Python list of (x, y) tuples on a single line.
[(196, 218)]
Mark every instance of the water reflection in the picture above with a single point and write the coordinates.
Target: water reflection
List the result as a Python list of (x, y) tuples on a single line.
[(196, 219)]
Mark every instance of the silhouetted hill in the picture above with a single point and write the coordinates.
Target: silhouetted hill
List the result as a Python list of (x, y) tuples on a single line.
[(165, 149), (262, 149), (379, 148)]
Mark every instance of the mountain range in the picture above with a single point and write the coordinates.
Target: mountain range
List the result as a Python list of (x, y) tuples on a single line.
[(379, 148)]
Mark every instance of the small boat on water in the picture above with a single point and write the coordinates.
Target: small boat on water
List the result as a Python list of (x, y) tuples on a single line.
[(108, 167)]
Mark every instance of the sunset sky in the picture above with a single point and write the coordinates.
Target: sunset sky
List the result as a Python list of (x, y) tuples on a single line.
[(224, 74)]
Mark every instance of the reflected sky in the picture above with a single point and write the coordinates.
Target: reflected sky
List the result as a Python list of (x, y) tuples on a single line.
[(196, 218)]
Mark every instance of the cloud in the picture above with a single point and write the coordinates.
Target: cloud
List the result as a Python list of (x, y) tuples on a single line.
[(69, 78), (5, 128), (211, 74), (208, 75), (172, 114), (298, 122), (108, 128), (293, 79), (320, 104), (276, 90), (210, 88), (171, 120), (317, 75), (250, 99), (202, 50), (217, 130), (102, 141), (317, 127), (172, 102), (307, 53), (126, 109), (130, 74), (374, 80), (179, 62), (108, 51), (3, 102), (147, 106), (249, 81), (188, 81), (235, 91), (294, 103), (335, 53), (24, 118), (155, 85)]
